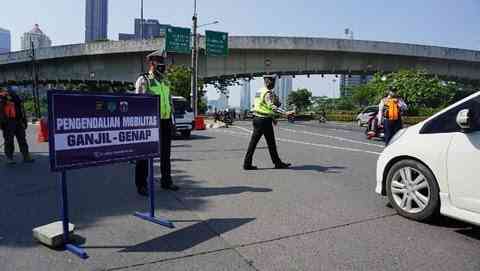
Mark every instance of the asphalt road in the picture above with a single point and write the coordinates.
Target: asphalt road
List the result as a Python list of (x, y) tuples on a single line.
[(321, 214)]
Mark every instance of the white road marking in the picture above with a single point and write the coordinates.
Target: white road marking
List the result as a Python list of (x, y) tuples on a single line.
[(299, 142), (332, 137), (323, 128), (321, 135)]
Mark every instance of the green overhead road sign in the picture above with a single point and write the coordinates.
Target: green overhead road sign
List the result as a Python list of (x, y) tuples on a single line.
[(178, 40), (216, 43)]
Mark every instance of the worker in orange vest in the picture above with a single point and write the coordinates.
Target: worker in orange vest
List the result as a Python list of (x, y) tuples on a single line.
[(390, 111), (13, 123)]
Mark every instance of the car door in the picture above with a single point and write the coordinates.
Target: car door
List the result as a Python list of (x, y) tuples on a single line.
[(463, 163)]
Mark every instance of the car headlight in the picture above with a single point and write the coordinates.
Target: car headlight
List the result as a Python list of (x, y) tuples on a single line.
[(397, 135)]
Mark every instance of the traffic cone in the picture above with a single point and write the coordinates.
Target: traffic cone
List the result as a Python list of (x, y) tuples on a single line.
[(199, 123), (42, 132)]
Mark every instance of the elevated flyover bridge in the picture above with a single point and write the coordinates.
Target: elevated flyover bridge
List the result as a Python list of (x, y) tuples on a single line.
[(249, 56)]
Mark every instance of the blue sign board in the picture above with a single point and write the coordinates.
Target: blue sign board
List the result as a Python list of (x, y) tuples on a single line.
[(96, 129)]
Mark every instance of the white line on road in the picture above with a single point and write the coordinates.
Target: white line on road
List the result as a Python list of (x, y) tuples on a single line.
[(303, 142), (332, 137), (321, 135), (323, 128)]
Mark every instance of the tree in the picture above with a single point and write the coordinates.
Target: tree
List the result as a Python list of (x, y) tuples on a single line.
[(344, 103), (416, 87), (320, 103), (222, 84), (179, 79), (422, 92), (363, 95), (301, 99)]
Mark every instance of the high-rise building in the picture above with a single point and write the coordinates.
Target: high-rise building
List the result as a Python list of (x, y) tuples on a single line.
[(96, 20), (220, 104), (37, 37), (349, 81), (283, 88), (245, 95), (151, 29), (223, 101), (5, 41)]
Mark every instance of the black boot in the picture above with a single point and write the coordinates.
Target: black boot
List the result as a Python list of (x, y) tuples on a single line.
[(170, 187), (249, 167), (167, 184), (282, 165), (142, 191)]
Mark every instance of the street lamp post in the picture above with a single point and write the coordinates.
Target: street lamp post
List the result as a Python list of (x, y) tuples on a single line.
[(141, 33), (194, 65), (194, 61), (141, 20), (36, 100)]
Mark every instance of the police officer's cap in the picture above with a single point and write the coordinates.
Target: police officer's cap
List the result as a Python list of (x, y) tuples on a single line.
[(158, 56), (270, 77)]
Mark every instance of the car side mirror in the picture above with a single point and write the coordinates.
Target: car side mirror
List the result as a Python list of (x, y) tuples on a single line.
[(463, 119)]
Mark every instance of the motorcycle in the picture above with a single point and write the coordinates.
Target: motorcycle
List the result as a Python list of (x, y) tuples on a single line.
[(374, 129), (228, 120)]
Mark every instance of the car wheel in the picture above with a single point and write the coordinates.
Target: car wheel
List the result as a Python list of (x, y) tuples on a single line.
[(186, 134), (413, 190)]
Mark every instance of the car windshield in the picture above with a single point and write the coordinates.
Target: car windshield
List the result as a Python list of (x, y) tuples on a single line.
[(370, 109), (180, 106)]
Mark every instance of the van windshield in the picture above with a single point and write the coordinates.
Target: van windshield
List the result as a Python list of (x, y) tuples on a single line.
[(180, 106)]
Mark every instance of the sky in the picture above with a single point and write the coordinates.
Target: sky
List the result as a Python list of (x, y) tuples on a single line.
[(431, 22)]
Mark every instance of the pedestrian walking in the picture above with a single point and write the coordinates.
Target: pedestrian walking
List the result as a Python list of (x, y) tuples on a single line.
[(153, 82), (13, 123), (265, 114), (390, 110)]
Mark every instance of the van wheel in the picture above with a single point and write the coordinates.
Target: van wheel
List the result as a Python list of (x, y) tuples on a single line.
[(413, 190), (186, 134)]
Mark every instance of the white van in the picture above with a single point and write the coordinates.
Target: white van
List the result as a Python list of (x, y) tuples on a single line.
[(184, 119)]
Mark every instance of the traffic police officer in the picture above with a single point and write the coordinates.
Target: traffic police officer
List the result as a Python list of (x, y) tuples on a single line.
[(154, 83), (265, 112)]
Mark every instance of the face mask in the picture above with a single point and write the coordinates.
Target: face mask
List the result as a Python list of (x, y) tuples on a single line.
[(270, 85), (160, 69)]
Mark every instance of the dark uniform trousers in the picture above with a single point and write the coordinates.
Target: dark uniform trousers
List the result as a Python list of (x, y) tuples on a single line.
[(391, 127), (141, 168), (262, 127), (12, 129)]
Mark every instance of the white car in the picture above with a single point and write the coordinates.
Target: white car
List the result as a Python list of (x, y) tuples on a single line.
[(431, 167), (364, 115), (184, 119)]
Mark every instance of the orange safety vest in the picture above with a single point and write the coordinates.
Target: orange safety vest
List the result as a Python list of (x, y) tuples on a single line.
[(8, 106), (392, 109)]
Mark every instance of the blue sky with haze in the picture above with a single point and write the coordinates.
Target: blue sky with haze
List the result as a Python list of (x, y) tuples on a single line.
[(432, 22)]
